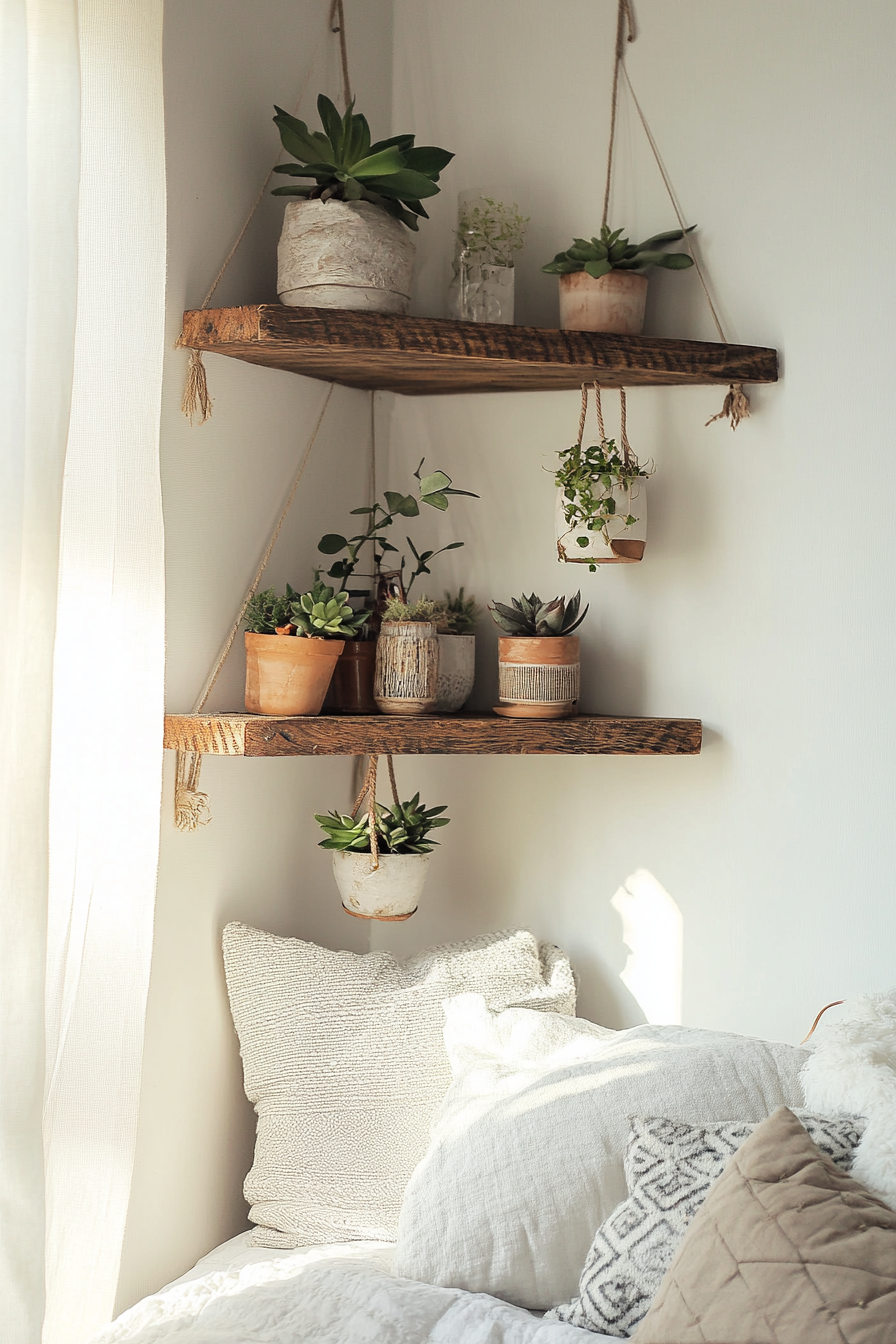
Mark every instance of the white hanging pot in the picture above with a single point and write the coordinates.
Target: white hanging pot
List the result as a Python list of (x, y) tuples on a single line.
[(457, 670), (617, 543), (344, 254), (389, 892)]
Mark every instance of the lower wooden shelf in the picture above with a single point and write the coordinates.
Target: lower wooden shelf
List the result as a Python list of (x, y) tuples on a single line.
[(466, 734)]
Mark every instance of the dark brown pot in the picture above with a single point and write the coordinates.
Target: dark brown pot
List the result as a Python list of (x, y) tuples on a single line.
[(351, 690)]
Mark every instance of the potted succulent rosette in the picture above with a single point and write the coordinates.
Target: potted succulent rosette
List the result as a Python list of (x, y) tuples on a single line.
[(602, 282), (538, 657), (292, 644), (385, 883), (347, 244)]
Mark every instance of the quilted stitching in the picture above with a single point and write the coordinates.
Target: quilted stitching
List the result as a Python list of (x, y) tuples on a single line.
[(786, 1249)]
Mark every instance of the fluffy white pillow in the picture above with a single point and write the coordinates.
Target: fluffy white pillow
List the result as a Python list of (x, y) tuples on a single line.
[(852, 1069), (526, 1159), (344, 1059)]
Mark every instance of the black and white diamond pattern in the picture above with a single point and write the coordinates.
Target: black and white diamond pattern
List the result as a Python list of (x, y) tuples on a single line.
[(669, 1168)]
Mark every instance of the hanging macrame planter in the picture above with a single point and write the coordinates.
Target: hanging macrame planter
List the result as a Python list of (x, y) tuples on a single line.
[(601, 508)]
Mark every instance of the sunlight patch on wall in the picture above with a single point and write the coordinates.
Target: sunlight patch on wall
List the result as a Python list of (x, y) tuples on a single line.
[(653, 931)]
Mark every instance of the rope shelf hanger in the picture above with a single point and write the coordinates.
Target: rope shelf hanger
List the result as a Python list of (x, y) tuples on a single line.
[(736, 406), (197, 400)]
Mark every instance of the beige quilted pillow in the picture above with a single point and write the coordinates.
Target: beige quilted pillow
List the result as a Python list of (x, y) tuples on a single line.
[(787, 1249), (344, 1059)]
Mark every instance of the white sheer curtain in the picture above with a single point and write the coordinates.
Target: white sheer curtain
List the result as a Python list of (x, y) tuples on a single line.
[(82, 252)]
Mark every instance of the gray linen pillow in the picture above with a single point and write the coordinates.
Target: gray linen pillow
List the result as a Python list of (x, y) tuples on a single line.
[(669, 1169)]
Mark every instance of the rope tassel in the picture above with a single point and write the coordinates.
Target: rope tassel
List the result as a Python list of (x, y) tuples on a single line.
[(735, 407), (191, 809), (196, 398)]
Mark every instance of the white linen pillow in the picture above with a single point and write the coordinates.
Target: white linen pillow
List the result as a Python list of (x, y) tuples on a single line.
[(526, 1159), (343, 1057)]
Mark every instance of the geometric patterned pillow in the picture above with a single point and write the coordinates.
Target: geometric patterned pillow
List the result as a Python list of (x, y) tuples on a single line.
[(669, 1168)]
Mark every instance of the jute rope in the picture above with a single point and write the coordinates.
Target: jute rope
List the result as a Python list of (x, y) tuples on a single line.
[(196, 398), (599, 412), (736, 406), (190, 806), (368, 791), (337, 25)]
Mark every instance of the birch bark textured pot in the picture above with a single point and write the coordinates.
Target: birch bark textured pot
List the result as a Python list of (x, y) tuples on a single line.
[(457, 671), (344, 254), (390, 892), (614, 303), (351, 691), (538, 677), (288, 674), (407, 667)]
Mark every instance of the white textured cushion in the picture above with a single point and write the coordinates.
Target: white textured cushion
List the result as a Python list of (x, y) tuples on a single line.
[(344, 1060), (526, 1160)]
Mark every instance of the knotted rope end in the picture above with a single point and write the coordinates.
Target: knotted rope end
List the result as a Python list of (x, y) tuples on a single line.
[(196, 399), (191, 809), (735, 407)]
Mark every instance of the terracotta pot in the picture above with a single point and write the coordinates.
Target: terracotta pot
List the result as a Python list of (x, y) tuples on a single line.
[(627, 544), (390, 892), (614, 303), (407, 667), (287, 675), (457, 671), (538, 677), (351, 691), (344, 254)]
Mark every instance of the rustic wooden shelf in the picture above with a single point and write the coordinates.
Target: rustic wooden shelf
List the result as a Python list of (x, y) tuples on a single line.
[(467, 734), (420, 355)]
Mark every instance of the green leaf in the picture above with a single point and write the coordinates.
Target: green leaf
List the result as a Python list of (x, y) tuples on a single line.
[(403, 185), (671, 236), (332, 544), (598, 268), (675, 261), (292, 191), (371, 508), (562, 267), (586, 253), (427, 159), (436, 480), (298, 141), (437, 500), (402, 142), (352, 190), (405, 505), (388, 161), (331, 122), (583, 541)]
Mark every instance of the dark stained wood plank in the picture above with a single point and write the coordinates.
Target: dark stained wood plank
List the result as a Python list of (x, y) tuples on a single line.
[(467, 734), (419, 356)]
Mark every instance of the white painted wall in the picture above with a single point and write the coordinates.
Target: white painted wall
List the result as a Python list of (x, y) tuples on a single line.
[(224, 484), (764, 605), (765, 602)]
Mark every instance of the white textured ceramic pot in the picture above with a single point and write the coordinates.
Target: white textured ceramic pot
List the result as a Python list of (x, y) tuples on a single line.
[(457, 670), (344, 254), (615, 302), (622, 545), (389, 892)]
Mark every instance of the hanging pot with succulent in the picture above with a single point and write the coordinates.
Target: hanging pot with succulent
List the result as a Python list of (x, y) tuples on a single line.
[(292, 644), (601, 496), (538, 658), (381, 858), (346, 243), (602, 282)]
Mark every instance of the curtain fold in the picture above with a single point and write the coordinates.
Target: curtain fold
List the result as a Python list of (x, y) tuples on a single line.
[(106, 761), (82, 268)]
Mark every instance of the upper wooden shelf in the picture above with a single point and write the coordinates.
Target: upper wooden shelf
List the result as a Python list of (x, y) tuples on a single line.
[(468, 734), (420, 355)]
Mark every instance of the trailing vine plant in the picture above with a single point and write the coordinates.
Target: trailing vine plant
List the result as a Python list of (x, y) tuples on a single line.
[(590, 479)]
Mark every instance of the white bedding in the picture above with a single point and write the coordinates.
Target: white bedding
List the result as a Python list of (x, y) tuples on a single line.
[(344, 1294)]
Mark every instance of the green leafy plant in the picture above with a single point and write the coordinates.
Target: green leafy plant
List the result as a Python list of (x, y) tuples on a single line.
[(612, 252), (491, 231), (531, 617), (457, 615), (433, 490), (318, 613), (421, 610), (401, 829), (392, 174), (588, 478)]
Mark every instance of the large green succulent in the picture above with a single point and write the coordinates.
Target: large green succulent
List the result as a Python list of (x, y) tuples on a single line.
[(316, 613), (393, 173), (401, 829), (531, 617), (612, 252)]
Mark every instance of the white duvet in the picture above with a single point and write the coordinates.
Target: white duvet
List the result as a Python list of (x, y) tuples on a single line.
[(343, 1294)]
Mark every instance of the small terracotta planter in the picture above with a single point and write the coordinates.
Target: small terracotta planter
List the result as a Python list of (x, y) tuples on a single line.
[(614, 303), (538, 677), (351, 691), (407, 668), (288, 675), (389, 892)]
